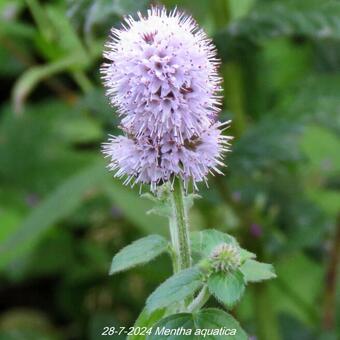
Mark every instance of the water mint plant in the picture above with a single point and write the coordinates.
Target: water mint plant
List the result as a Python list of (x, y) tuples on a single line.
[(161, 75)]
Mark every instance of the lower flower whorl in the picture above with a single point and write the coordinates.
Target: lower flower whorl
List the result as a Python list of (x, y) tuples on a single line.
[(151, 161)]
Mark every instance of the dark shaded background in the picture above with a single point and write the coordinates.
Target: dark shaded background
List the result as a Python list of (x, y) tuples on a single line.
[(62, 216)]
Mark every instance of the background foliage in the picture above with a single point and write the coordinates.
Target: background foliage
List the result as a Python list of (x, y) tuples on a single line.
[(62, 216)]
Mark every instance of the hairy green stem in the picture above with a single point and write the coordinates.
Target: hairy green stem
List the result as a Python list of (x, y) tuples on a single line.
[(179, 228)]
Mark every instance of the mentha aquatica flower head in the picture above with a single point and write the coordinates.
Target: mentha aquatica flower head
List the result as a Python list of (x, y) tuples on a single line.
[(161, 75)]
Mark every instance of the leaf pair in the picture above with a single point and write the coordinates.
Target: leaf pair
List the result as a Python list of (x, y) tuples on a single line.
[(228, 287)]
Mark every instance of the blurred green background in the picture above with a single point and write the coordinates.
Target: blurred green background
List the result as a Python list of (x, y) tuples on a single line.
[(62, 216)]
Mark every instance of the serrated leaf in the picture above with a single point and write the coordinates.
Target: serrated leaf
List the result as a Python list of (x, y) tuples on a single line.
[(255, 271), (138, 252), (146, 319), (203, 242), (246, 255), (175, 289), (207, 320), (227, 287)]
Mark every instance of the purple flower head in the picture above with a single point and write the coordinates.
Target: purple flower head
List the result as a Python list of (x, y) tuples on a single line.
[(161, 76), (256, 230), (147, 160)]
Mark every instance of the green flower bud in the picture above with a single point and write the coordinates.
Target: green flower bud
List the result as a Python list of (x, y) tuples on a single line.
[(225, 257)]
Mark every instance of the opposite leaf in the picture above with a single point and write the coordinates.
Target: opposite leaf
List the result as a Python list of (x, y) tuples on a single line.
[(246, 255), (175, 289), (227, 288), (138, 252), (211, 323), (255, 271)]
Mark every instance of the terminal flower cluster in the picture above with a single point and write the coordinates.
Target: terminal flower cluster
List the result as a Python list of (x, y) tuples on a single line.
[(225, 257), (161, 75)]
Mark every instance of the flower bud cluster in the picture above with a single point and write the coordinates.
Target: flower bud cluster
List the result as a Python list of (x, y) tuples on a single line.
[(225, 257), (161, 75)]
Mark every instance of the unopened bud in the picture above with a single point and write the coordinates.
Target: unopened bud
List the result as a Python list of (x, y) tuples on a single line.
[(225, 257)]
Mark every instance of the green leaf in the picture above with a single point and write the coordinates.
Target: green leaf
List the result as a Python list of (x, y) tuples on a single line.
[(68, 41), (138, 252), (288, 18), (227, 287), (327, 200), (204, 324), (56, 206), (41, 19), (203, 242), (289, 294), (246, 255), (276, 144), (255, 271), (175, 289), (10, 220), (147, 320), (78, 129), (321, 146), (31, 78), (316, 99), (102, 10)]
